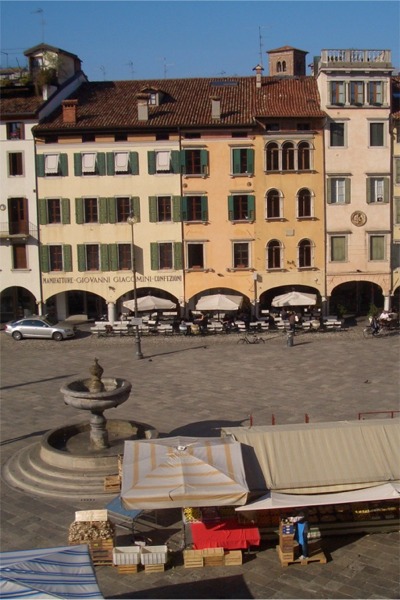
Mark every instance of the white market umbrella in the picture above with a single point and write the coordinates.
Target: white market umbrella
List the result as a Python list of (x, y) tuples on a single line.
[(219, 302), (182, 471), (148, 303), (295, 299)]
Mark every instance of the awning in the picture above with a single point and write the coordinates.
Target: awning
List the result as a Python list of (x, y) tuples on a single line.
[(295, 299), (149, 303), (219, 302)]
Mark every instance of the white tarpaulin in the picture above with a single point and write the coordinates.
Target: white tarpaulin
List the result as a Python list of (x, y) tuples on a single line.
[(182, 471), (64, 572), (295, 299), (219, 302), (276, 500), (148, 303)]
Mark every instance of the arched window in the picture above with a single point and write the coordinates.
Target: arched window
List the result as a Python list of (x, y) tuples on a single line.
[(304, 203), (303, 156), (305, 253), (287, 156), (284, 65), (272, 156), (273, 207), (278, 66), (274, 254)]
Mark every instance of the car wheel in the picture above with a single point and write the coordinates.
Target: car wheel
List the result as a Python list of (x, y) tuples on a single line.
[(17, 335), (57, 336)]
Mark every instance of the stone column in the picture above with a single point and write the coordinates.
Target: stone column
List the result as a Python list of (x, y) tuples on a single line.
[(111, 308)]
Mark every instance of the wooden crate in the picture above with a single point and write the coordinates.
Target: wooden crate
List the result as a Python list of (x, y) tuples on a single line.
[(233, 557), (213, 557), (101, 551), (154, 568), (127, 569), (318, 557), (112, 483), (193, 559)]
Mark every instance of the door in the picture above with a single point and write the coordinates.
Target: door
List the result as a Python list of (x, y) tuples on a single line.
[(18, 215)]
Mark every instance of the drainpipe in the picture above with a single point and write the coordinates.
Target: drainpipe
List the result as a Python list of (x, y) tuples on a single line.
[(40, 302), (325, 310), (182, 227)]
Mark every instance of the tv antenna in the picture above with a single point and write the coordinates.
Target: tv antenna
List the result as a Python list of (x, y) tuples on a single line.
[(130, 65), (166, 67), (103, 70), (40, 12), (260, 43)]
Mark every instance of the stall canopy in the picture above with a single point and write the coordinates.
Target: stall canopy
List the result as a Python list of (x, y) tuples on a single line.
[(64, 572), (295, 299), (219, 302), (182, 471), (321, 458), (149, 303)]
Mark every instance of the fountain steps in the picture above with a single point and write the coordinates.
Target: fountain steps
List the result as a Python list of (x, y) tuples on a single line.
[(27, 471)]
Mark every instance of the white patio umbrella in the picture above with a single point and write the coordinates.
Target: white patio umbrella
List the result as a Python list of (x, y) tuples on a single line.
[(148, 303), (182, 471), (219, 302), (295, 299)]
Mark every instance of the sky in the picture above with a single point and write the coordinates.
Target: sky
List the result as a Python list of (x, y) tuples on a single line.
[(146, 39)]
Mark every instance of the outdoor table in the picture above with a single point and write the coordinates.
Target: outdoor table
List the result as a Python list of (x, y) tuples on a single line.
[(227, 533)]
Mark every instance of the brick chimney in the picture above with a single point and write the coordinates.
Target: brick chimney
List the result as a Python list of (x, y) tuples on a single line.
[(215, 108), (258, 69), (69, 108), (143, 106)]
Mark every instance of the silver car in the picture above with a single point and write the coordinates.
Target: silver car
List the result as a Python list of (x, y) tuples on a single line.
[(37, 327)]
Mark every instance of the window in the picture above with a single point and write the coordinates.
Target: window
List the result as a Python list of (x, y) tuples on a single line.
[(303, 156), (356, 93), (164, 208), (124, 257), (337, 95), (376, 247), (287, 156), (121, 163), (375, 92), (91, 213), (15, 166), (273, 205), (241, 207), (397, 210), (52, 165), (163, 162), (338, 248), (241, 255), (195, 162), (90, 163), (124, 208), (92, 257), (305, 254), (336, 134), (56, 258), (19, 256), (376, 134), (242, 161), (338, 190), (272, 157), (54, 210), (274, 254), (166, 255), (18, 215), (15, 131), (194, 208), (397, 170), (304, 204), (195, 255), (377, 189)]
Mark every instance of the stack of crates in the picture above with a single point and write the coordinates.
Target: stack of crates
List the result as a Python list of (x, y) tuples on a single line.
[(286, 541)]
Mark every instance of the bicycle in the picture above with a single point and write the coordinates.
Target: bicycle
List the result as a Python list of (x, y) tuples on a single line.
[(252, 338), (380, 331)]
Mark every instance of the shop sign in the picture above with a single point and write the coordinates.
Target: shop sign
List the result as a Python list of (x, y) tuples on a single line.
[(107, 279)]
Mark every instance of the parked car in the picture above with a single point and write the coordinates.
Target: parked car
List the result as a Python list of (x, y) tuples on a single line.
[(37, 327)]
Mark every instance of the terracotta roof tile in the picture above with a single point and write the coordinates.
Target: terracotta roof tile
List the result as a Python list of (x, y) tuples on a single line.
[(20, 101)]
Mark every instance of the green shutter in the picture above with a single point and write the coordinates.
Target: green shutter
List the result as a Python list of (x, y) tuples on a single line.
[(103, 210), (329, 191), (101, 163), (230, 208), (104, 261), (151, 162), (386, 189), (136, 207), (175, 161), (154, 256), (176, 209), (204, 208), (81, 257), (43, 220), (153, 209), (44, 259), (397, 211), (182, 154), (251, 205), (77, 165), (64, 165), (370, 184), (67, 257), (65, 211), (236, 161), (250, 161), (204, 161), (184, 209), (79, 212), (40, 165), (112, 210), (397, 170), (134, 163), (113, 257), (110, 163), (178, 262), (347, 190)]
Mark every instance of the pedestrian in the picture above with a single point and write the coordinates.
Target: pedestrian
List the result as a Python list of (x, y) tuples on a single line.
[(292, 321), (301, 534)]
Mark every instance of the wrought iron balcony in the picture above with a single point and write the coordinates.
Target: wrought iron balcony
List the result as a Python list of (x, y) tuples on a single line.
[(18, 230)]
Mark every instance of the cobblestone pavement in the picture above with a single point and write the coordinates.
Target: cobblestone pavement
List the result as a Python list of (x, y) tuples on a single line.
[(193, 386)]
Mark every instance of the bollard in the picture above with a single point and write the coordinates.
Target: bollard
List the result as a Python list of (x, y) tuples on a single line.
[(290, 338)]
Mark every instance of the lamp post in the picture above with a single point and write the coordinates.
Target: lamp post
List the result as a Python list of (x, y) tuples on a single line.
[(132, 220)]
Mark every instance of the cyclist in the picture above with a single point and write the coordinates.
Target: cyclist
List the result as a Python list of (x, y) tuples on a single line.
[(375, 326)]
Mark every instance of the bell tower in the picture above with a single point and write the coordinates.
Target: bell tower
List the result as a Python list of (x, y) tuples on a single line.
[(287, 61)]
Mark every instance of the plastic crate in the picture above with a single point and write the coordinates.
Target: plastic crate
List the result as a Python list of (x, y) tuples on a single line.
[(154, 555), (126, 555)]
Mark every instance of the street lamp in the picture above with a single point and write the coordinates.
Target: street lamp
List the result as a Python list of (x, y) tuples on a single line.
[(132, 220)]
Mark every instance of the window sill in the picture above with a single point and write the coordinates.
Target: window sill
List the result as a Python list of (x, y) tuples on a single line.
[(307, 268), (307, 218), (233, 175), (240, 221), (277, 270), (199, 222), (240, 269), (275, 219), (22, 270), (195, 175)]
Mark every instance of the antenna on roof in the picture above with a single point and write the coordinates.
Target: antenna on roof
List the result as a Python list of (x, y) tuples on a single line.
[(40, 12), (103, 70), (130, 65), (260, 42), (166, 66)]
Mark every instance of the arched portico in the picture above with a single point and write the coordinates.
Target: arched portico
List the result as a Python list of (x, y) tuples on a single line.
[(16, 302)]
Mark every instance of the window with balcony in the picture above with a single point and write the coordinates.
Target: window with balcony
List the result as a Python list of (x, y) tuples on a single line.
[(15, 164), (273, 205), (274, 255), (241, 255), (242, 161), (195, 255), (241, 207)]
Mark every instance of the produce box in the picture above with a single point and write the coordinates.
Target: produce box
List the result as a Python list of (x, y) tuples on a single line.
[(153, 555), (126, 555)]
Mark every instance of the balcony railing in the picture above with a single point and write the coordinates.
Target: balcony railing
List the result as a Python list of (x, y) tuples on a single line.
[(365, 58), (18, 230)]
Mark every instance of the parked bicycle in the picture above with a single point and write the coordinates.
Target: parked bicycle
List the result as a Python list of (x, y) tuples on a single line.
[(251, 338)]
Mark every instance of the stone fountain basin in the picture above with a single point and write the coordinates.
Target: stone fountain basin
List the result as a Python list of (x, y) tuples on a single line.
[(77, 394)]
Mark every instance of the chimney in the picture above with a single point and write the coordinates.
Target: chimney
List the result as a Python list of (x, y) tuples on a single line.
[(215, 108), (143, 107), (69, 108), (258, 69)]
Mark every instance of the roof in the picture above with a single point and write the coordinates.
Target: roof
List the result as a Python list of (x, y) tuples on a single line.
[(187, 102), (48, 48), (17, 100), (286, 49), (321, 457)]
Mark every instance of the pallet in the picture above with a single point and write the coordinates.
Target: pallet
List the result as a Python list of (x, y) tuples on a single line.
[(112, 483), (101, 551), (318, 557), (154, 568), (127, 569)]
